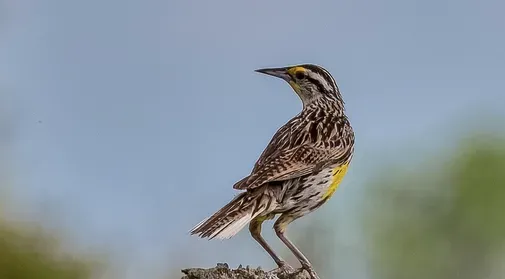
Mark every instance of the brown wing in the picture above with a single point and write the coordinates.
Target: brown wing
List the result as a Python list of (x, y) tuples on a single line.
[(279, 141), (284, 165), (297, 149)]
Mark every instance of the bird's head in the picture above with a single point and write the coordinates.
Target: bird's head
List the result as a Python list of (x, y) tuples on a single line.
[(310, 82)]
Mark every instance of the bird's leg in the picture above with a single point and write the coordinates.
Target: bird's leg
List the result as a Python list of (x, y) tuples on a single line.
[(280, 228), (255, 229)]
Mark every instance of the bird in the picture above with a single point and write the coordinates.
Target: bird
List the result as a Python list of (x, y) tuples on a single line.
[(299, 170)]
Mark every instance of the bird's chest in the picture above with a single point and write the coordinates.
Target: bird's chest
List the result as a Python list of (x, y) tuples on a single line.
[(337, 174), (308, 193), (324, 184)]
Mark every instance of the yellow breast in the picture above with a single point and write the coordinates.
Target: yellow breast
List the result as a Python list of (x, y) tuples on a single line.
[(338, 174)]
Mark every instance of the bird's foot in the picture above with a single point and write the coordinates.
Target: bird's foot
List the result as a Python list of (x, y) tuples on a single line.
[(283, 268), (313, 274), (311, 271)]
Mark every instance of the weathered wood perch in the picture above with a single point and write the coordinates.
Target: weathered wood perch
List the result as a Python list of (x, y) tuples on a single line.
[(222, 271)]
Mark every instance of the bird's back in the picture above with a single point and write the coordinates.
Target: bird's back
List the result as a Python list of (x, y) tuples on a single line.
[(316, 138)]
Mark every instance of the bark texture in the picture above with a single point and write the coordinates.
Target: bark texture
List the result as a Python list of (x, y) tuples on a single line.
[(222, 271)]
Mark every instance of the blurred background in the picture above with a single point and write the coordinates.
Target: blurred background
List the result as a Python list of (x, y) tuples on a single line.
[(124, 123)]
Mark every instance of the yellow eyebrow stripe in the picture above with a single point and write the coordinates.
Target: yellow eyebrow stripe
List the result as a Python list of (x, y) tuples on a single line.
[(294, 70)]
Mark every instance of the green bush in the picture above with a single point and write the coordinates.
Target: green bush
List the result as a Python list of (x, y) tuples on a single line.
[(31, 254), (445, 220)]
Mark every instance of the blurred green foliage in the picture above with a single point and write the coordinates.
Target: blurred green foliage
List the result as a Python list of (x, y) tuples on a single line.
[(26, 253), (445, 219)]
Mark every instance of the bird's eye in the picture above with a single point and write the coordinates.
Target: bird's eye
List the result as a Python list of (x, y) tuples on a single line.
[(300, 75)]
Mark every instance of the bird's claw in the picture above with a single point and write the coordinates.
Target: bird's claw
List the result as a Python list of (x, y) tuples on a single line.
[(311, 271), (283, 268), (313, 274)]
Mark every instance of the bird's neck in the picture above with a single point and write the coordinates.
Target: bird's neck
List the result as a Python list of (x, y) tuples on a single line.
[(327, 105)]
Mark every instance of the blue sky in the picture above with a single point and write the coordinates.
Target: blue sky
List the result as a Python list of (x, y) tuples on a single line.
[(133, 119)]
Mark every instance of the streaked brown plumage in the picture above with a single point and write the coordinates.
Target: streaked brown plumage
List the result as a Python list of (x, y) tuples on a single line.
[(300, 168)]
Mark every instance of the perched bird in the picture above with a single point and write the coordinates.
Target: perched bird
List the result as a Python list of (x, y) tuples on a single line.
[(299, 170)]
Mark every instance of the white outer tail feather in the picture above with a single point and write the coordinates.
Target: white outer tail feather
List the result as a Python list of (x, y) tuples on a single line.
[(198, 225), (229, 229), (232, 228)]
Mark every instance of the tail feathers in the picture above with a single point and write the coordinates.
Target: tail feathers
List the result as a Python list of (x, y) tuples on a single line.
[(229, 220)]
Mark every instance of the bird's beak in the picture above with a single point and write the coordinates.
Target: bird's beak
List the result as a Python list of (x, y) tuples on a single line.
[(276, 72)]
